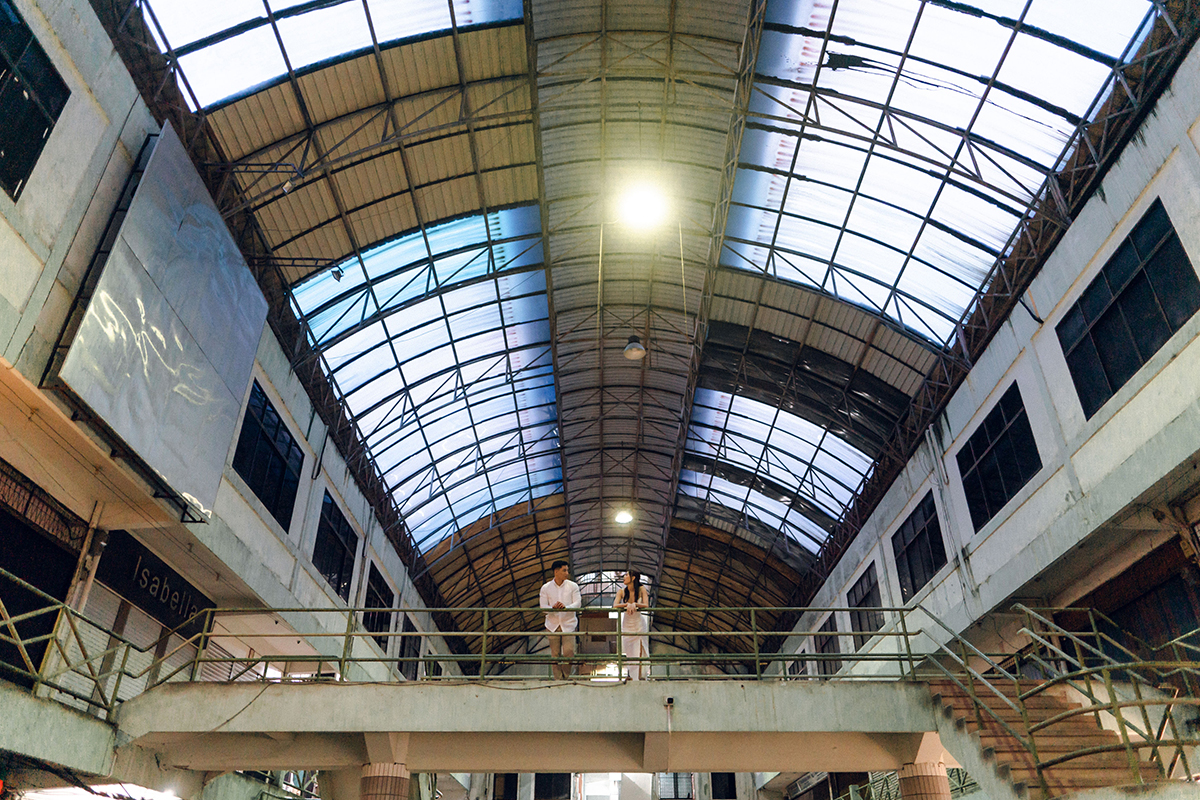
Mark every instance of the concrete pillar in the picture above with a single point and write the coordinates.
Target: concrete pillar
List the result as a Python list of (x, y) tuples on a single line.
[(381, 781), (703, 786), (480, 787), (926, 780)]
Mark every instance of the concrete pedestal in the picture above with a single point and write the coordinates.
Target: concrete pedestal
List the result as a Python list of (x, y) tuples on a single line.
[(924, 781)]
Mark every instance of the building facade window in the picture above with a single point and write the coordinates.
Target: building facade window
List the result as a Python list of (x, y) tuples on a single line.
[(865, 597), (379, 595), (337, 543), (826, 643), (268, 457), (1146, 292), (32, 95), (918, 547), (410, 650), (723, 786), (675, 785), (999, 458)]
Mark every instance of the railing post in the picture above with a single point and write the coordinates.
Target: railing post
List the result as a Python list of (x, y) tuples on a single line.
[(347, 646), (912, 668), (620, 646), (1114, 707), (754, 633), (116, 691), (483, 645)]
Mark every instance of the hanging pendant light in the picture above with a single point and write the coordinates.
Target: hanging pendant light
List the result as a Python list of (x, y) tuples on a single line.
[(635, 351)]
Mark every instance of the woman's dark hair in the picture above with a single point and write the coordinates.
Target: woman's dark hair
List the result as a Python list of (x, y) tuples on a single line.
[(636, 589)]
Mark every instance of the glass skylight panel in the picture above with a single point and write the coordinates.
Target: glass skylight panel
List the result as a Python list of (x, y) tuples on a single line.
[(399, 271), (789, 451), (744, 500), (453, 393), (925, 280), (229, 46)]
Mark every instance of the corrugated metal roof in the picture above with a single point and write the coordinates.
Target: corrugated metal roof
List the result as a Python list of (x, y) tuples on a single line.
[(875, 184)]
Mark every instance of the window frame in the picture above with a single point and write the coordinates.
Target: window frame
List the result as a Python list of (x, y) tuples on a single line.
[(376, 584), (996, 435), (929, 534), (866, 621), (280, 509), (825, 642), (1094, 326), (45, 94), (336, 530)]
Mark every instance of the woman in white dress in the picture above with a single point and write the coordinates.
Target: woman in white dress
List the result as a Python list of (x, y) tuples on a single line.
[(631, 599)]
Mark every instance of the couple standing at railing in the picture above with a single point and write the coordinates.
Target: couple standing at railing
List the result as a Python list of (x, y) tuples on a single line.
[(560, 596)]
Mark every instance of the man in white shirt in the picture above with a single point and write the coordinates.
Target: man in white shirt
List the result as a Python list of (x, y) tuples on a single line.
[(557, 594)]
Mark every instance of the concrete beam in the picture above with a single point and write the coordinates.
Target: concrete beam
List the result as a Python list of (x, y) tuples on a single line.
[(537, 727)]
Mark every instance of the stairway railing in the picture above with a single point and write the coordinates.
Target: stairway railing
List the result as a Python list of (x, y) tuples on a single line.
[(1080, 660)]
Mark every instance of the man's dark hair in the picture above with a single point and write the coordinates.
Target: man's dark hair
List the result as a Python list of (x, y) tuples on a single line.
[(560, 563)]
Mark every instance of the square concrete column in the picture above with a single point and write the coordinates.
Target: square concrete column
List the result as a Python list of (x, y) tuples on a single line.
[(926, 780)]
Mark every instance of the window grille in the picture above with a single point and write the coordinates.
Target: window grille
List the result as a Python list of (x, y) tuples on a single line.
[(918, 547), (828, 645), (1143, 295), (675, 786), (337, 544), (379, 595), (865, 595), (410, 648), (999, 458), (32, 95), (268, 457)]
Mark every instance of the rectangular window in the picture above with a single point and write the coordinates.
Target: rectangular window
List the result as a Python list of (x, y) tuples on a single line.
[(999, 458), (552, 786), (675, 785), (410, 650), (337, 543), (723, 786), (379, 595), (1146, 292), (918, 547), (268, 457), (864, 594), (828, 645), (32, 95), (505, 786)]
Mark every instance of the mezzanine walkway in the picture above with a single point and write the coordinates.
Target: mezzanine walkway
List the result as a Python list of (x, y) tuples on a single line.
[(537, 726)]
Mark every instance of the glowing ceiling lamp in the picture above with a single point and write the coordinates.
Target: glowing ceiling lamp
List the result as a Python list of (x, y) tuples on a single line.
[(624, 517)]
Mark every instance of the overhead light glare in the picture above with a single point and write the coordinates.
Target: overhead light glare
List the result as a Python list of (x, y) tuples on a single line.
[(624, 517), (643, 206), (635, 350)]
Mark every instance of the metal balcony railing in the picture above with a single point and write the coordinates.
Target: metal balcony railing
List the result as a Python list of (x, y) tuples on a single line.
[(1142, 692)]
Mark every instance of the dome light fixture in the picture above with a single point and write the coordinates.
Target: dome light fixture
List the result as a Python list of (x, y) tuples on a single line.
[(624, 517), (642, 206), (635, 350)]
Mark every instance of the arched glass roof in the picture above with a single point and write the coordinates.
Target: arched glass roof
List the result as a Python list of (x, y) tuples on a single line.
[(431, 203), (814, 475), (439, 344), (226, 47), (892, 147)]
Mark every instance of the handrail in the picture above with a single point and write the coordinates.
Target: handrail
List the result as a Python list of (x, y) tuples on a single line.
[(911, 644)]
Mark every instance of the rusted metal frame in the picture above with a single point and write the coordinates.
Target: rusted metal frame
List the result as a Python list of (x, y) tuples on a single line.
[(409, 190), (836, 544), (419, 270), (1042, 236), (752, 36), (386, 108), (808, 123)]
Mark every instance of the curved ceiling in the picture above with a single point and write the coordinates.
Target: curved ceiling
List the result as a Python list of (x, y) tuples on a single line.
[(848, 183)]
